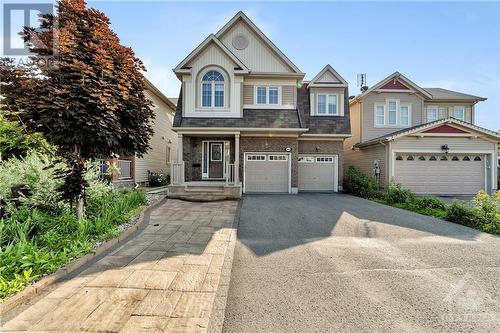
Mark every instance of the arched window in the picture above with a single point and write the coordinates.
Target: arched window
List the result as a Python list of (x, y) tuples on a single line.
[(455, 158), (466, 158), (421, 158), (432, 158), (399, 158), (212, 90), (477, 158), (410, 158), (444, 158)]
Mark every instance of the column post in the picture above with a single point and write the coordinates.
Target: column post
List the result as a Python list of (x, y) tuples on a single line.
[(236, 158)]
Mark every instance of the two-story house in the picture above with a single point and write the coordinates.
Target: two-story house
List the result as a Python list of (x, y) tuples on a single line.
[(247, 122), (422, 138)]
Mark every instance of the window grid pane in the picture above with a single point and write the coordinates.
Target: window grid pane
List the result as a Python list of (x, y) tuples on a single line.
[(206, 98), (432, 114), (321, 104), (273, 95), (219, 95), (332, 104), (392, 113), (380, 115), (261, 95), (459, 113), (403, 111)]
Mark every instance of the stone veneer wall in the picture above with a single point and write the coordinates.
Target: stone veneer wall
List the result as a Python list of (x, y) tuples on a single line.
[(324, 147), (267, 144), (192, 154)]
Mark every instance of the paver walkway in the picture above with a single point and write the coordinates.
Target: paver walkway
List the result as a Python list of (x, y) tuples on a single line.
[(164, 279)]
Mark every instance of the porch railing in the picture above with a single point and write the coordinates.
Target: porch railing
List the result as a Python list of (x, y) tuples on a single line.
[(177, 173), (125, 169), (230, 173)]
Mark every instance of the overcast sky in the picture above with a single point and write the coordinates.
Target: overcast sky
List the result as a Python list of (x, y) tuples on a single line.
[(453, 45)]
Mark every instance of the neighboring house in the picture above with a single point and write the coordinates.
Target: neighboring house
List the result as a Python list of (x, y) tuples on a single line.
[(163, 143), (247, 123), (423, 138)]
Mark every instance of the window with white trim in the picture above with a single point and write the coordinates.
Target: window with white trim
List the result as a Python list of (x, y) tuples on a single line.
[(267, 95), (256, 157), (459, 112), (404, 115), (278, 157), (392, 111), (379, 114), (432, 113), (212, 90), (327, 105)]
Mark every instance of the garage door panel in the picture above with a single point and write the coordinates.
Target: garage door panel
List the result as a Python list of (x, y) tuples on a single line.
[(317, 173), (446, 177), (266, 176)]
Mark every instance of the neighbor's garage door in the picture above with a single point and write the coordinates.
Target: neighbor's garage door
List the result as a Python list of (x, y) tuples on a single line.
[(317, 173), (265, 173), (440, 174)]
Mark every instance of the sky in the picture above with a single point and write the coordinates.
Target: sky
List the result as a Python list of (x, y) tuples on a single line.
[(452, 45)]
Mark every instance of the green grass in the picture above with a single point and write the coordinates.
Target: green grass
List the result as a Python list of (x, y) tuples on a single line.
[(34, 243)]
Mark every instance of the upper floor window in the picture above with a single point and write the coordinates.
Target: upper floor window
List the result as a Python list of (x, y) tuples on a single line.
[(392, 110), (379, 114), (212, 90), (459, 112), (393, 113), (404, 115), (327, 105), (432, 113), (267, 95)]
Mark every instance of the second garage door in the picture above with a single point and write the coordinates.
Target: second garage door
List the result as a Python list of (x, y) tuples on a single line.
[(440, 174), (318, 173), (266, 173)]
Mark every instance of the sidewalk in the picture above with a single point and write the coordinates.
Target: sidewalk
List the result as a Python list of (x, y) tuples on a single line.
[(164, 279)]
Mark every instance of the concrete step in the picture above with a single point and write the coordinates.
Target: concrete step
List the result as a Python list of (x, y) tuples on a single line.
[(205, 189)]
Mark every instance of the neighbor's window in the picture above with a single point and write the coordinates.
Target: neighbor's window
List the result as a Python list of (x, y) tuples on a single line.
[(267, 95), (392, 108), (459, 112), (379, 114), (212, 90), (327, 104), (404, 115), (432, 113)]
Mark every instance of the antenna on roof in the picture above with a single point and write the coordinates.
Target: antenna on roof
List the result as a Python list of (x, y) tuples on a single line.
[(362, 82)]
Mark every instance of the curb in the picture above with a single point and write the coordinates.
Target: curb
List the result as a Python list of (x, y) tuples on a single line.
[(216, 320), (78, 265)]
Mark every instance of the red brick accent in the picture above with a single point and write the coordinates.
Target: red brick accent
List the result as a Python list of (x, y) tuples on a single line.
[(394, 85), (445, 129)]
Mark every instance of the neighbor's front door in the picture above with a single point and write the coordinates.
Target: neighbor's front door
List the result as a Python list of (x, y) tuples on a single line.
[(216, 160)]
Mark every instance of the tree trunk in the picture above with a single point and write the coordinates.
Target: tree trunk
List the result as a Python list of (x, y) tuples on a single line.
[(80, 207)]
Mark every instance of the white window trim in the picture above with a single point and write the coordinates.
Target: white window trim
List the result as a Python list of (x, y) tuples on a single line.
[(427, 112), (459, 108), (267, 95), (408, 105), (396, 124), (337, 107), (213, 83), (375, 114)]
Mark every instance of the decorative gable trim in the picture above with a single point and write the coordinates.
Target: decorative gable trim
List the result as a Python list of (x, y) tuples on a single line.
[(180, 68), (241, 16), (445, 129), (318, 82), (394, 85)]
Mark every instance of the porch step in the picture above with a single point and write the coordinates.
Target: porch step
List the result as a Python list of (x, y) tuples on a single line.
[(205, 189), (201, 196)]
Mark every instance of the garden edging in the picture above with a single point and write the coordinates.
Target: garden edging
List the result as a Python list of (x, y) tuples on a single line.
[(36, 288)]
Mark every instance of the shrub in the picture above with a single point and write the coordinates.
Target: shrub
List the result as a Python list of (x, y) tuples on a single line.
[(489, 205), (395, 194), (158, 179), (429, 202), (357, 183), (16, 141), (460, 213)]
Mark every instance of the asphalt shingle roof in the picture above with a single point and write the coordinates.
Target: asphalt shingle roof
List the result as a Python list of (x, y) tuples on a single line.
[(445, 94)]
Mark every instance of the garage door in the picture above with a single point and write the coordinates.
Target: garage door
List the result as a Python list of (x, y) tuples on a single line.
[(440, 174), (317, 173), (266, 173)]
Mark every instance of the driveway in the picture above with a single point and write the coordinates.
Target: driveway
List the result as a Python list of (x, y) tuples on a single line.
[(336, 263), (164, 279)]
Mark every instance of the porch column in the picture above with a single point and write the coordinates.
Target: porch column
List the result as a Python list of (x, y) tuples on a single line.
[(179, 148), (236, 158)]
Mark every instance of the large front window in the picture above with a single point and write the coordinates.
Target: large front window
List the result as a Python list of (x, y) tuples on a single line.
[(212, 90), (327, 104)]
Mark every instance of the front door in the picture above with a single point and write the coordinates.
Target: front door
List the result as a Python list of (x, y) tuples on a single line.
[(216, 160)]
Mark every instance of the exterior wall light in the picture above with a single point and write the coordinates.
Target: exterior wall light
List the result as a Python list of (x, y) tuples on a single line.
[(445, 148)]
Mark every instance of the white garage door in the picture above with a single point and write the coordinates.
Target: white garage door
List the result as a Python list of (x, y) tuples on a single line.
[(266, 173), (440, 174), (318, 173)]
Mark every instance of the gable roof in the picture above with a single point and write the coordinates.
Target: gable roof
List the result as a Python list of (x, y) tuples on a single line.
[(450, 95), (210, 39), (393, 76), (328, 69), (151, 87), (427, 126), (241, 16)]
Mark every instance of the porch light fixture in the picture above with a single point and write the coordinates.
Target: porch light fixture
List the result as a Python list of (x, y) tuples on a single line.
[(288, 149), (445, 148)]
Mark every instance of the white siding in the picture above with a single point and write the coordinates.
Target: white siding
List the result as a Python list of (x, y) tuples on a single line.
[(156, 158), (258, 57)]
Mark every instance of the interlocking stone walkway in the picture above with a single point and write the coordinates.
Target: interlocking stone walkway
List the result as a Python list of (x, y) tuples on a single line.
[(164, 279)]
